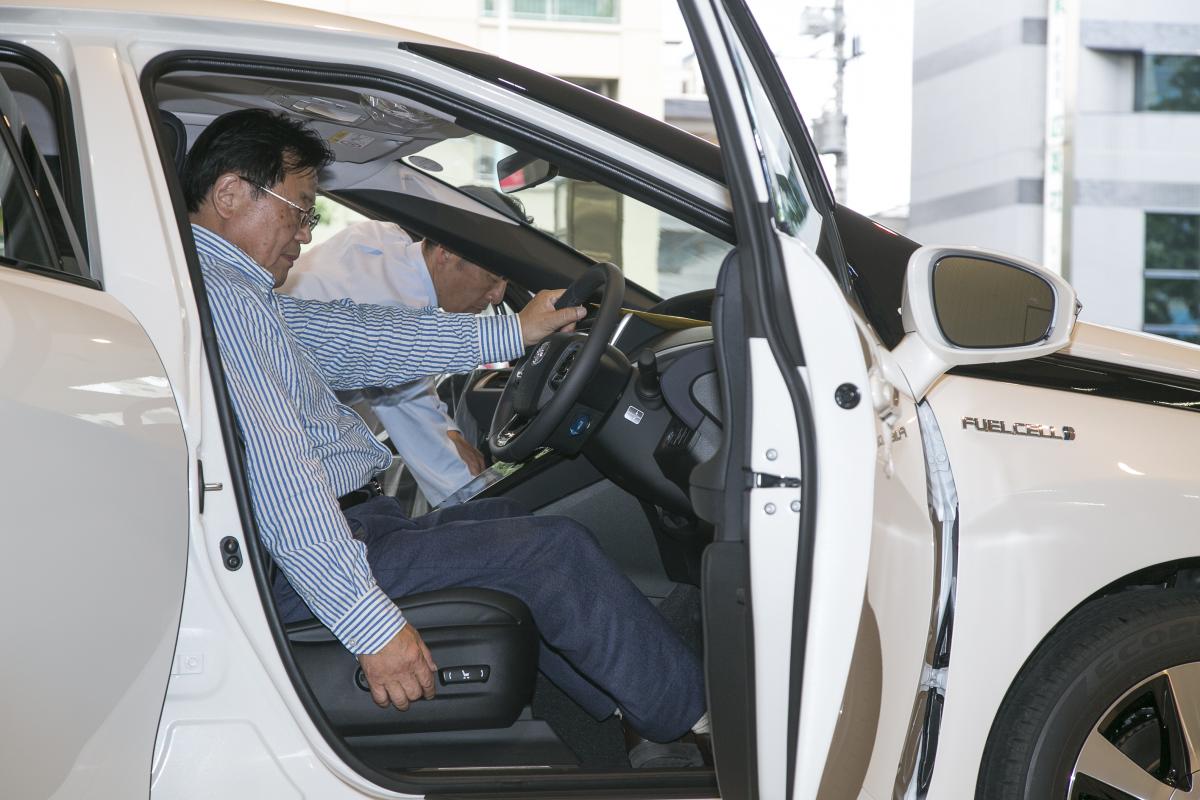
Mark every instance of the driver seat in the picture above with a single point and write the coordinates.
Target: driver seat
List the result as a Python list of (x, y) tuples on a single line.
[(484, 643)]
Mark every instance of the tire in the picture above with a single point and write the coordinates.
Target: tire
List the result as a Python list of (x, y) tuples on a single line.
[(1106, 706)]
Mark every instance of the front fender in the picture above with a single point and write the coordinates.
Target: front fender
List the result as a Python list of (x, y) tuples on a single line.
[(1045, 522)]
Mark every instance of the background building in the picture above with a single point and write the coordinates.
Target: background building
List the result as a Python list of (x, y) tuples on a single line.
[(1102, 97)]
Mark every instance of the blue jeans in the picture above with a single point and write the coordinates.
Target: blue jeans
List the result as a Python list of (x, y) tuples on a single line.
[(603, 643)]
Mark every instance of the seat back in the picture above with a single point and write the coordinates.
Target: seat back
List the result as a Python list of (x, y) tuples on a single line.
[(174, 139)]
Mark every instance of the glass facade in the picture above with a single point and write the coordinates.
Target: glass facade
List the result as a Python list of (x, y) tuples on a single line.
[(1171, 305)]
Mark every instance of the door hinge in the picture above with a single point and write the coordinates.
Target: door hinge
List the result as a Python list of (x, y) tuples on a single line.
[(764, 481)]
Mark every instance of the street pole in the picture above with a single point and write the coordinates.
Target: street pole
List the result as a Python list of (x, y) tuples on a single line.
[(839, 49)]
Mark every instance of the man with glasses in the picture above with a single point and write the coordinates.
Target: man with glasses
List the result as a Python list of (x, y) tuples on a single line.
[(344, 549), (377, 262)]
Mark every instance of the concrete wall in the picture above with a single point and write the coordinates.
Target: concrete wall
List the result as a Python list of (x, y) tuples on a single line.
[(978, 92)]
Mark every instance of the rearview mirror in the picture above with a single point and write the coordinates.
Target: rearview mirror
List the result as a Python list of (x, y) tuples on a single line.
[(963, 305), (523, 171)]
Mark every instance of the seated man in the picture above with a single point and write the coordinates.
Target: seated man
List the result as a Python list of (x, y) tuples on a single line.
[(344, 550), (377, 262)]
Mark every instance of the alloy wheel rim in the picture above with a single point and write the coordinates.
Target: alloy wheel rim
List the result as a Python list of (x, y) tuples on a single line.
[(1146, 746)]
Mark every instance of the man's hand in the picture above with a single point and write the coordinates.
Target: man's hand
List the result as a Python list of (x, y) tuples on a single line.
[(539, 317), (470, 456), (402, 672)]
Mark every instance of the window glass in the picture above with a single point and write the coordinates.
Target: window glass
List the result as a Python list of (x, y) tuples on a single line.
[(1173, 241), (1169, 83), (22, 236), (1172, 289), (30, 111), (566, 10), (335, 217), (654, 249), (792, 210)]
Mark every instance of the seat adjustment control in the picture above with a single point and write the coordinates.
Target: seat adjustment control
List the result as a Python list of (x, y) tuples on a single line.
[(478, 673)]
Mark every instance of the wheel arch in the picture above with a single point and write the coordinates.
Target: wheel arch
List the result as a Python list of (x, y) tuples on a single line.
[(1179, 573)]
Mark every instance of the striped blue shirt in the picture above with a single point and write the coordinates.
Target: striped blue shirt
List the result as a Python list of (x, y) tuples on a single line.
[(283, 358)]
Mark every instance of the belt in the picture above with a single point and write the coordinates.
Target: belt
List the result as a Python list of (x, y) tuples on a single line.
[(372, 488)]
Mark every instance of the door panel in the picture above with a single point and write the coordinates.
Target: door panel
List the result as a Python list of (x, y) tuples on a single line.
[(94, 474), (812, 449)]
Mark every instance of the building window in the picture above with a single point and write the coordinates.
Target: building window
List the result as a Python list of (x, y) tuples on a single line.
[(1172, 296), (1168, 83), (558, 10)]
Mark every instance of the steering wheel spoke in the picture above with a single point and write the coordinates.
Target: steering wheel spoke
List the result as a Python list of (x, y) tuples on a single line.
[(549, 381), (511, 429)]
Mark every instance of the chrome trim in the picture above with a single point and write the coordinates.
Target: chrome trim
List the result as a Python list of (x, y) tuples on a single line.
[(915, 770), (620, 329)]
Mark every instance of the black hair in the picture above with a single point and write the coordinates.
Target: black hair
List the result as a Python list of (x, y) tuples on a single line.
[(261, 146)]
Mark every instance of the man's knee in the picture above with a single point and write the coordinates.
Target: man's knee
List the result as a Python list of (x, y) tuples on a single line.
[(571, 537)]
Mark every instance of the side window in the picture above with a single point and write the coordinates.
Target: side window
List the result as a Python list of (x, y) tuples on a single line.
[(653, 248), (24, 239), (37, 172), (792, 209)]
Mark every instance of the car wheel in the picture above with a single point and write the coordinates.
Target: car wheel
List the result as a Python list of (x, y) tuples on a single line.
[(1107, 708)]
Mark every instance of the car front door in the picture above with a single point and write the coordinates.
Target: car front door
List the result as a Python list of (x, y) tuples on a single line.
[(93, 476), (794, 521)]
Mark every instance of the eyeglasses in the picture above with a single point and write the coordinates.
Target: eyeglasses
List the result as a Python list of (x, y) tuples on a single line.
[(308, 217)]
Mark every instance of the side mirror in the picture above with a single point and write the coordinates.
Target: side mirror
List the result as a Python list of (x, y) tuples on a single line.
[(523, 171), (963, 305)]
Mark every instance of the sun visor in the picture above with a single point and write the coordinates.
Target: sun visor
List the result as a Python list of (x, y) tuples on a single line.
[(401, 179)]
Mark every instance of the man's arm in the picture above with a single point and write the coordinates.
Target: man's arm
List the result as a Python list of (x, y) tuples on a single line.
[(469, 454), (356, 345)]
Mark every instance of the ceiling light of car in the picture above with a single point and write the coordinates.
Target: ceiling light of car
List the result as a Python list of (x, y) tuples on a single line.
[(320, 107)]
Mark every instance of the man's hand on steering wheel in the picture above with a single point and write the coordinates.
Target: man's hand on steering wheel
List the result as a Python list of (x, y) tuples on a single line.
[(547, 384), (539, 318)]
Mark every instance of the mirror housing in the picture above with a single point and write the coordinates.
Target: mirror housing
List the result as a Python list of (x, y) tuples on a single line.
[(966, 305), (520, 171)]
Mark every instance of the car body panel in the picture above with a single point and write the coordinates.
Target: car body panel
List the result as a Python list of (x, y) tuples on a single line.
[(1045, 524), (846, 460), (899, 595), (97, 511)]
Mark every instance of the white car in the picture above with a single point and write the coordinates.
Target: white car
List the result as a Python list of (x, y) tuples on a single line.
[(942, 534)]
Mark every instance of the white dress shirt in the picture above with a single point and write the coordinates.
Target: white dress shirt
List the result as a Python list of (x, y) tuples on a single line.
[(378, 263)]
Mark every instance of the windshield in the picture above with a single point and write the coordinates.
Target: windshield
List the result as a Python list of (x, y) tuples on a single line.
[(653, 248)]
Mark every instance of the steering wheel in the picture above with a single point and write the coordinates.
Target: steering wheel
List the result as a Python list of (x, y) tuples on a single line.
[(545, 385)]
